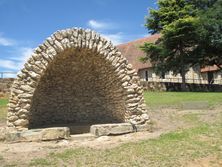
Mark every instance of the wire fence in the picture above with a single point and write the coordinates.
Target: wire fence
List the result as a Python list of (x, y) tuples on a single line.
[(188, 80), (8, 74)]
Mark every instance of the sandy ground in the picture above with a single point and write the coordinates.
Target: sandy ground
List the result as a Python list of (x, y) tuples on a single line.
[(164, 120)]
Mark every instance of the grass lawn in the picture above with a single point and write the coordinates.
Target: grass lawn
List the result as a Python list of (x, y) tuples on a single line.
[(155, 99), (3, 102), (3, 109)]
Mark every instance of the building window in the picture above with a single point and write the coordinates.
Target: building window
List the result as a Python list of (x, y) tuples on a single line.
[(146, 75)]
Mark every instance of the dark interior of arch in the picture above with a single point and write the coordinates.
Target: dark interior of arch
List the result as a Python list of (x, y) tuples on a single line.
[(79, 88)]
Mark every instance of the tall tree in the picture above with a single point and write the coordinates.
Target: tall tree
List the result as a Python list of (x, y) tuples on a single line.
[(210, 32), (202, 4), (176, 21)]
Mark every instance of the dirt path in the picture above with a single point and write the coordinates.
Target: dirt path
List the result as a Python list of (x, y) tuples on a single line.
[(164, 120)]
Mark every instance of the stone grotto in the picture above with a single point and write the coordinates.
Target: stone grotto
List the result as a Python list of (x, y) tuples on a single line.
[(76, 78)]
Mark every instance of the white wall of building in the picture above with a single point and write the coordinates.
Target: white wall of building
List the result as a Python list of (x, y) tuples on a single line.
[(192, 76)]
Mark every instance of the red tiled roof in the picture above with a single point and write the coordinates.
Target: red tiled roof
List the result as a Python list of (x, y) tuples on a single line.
[(132, 51), (209, 68)]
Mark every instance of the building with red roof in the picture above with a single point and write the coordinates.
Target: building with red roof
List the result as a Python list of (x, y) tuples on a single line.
[(131, 50)]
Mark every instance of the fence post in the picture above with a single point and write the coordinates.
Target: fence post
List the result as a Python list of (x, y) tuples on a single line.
[(3, 73)]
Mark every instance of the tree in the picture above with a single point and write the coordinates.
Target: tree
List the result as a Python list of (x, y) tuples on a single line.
[(168, 11), (177, 23), (173, 50), (210, 36), (202, 4), (191, 34)]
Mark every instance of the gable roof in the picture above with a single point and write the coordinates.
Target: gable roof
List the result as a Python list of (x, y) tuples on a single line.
[(132, 52)]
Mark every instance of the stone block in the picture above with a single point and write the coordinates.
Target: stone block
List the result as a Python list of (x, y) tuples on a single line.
[(111, 129), (55, 133), (21, 122), (31, 135), (46, 134)]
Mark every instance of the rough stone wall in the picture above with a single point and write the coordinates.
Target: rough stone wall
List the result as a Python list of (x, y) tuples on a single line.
[(76, 77), (78, 89)]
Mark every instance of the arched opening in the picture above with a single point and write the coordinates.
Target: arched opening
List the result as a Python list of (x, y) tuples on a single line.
[(79, 88), (75, 77)]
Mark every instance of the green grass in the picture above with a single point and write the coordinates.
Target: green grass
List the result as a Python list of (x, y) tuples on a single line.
[(3, 109), (40, 162), (3, 102), (191, 118), (155, 99), (171, 149)]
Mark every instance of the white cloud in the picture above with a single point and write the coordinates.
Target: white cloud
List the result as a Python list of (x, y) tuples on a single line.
[(25, 54), (17, 54), (6, 41), (101, 25), (96, 25), (16, 62), (120, 37), (9, 64), (116, 39)]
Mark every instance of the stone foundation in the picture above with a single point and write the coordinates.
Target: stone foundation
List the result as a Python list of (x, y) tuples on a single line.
[(58, 133), (46, 134)]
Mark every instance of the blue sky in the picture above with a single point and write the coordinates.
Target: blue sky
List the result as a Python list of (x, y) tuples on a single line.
[(26, 23)]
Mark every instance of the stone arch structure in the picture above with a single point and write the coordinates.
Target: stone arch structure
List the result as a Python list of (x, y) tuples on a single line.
[(76, 77)]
